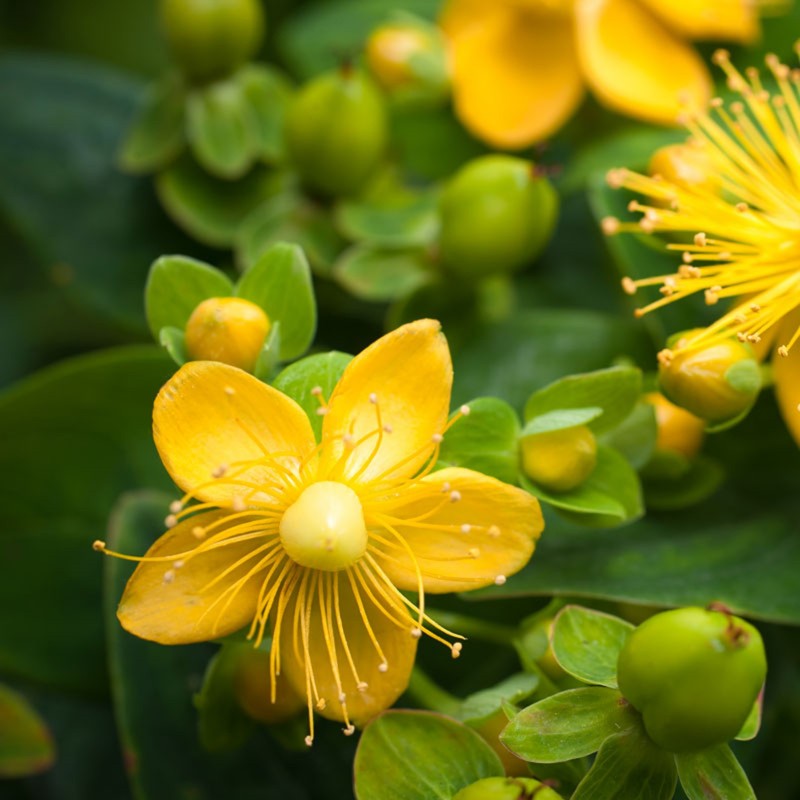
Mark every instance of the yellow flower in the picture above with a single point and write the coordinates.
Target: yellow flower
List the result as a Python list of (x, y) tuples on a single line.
[(316, 543), (742, 225), (520, 66)]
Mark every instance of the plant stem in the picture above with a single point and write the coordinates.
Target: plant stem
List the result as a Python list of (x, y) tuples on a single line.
[(471, 627), (430, 694)]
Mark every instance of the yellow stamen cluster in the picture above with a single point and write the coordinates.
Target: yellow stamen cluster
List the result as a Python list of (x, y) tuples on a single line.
[(743, 224)]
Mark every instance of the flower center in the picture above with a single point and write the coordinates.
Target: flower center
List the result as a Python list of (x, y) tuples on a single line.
[(324, 528)]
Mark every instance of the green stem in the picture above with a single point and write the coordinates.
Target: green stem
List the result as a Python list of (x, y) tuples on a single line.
[(430, 695), (476, 628)]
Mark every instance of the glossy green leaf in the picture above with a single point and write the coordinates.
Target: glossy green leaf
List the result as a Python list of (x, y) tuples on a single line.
[(157, 135), (752, 724), (87, 424), (280, 283), (26, 746), (481, 706), (418, 755), (209, 209), (629, 767), (406, 223), (713, 774), (270, 355), (289, 217), (485, 440), (700, 480), (586, 643), (173, 340), (559, 420), (176, 285), (612, 492), (567, 725), (266, 93), (376, 274), (219, 129), (322, 370), (635, 437), (615, 391)]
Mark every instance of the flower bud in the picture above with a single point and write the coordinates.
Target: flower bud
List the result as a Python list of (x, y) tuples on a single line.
[(560, 460), (251, 686), (507, 789), (679, 431), (337, 131), (693, 675), (490, 730), (227, 329), (210, 38), (496, 217), (718, 382), (688, 165)]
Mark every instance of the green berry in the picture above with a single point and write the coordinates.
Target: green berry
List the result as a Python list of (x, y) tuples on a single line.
[(693, 675), (496, 216), (507, 789), (210, 38), (337, 131)]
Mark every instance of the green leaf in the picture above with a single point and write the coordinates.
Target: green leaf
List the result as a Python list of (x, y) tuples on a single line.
[(615, 391), (209, 209), (559, 420), (266, 93), (173, 340), (700, 480), (481, 706), (611, 494), (298, 380), (26, 746), (379, 275), (629, 767), (87, 423), (157, 135), (567, 725), (219, 129), (418, 755), (587, 643), (635, 437), (280, 283), (406, 223), (288, 217), (270, 355), (176, 285), (752, 724), (713, 774), (485, 440)]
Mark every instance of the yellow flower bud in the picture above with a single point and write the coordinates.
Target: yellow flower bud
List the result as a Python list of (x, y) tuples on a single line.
[(227, 329), (687, 165), (490, 730), (560, 460), (389, 49), (717, 382), (679, 431), (251, 686)]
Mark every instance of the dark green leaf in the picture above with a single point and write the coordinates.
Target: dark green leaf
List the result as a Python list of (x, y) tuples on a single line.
[(567, 725), (635, 437), (629, 767), (280, 283), (266, 93), (374, 274), (417, 755), (713, 774), (485, 440), (586, 643), (406, 223), (481, 706), (176, 285), (26, 746), (700, 480)]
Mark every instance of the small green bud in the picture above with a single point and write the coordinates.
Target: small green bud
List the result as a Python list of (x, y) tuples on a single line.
[(507, 789), (560, 460), (210, 38), (694, 675), (337, 131), (718, 382), (496, 217)]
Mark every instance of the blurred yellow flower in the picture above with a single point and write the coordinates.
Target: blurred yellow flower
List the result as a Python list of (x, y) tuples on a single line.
[(520, 66), (743, 222), (316, 543)]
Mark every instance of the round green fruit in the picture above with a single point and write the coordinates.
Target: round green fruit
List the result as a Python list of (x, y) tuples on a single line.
[(693, 675), (337, 131), (507, 789), (496, 216), (210, 38)]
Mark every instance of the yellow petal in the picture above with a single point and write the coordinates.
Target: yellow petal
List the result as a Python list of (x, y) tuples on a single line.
[(786, 373), (731, 20), (409, 375), (635, 64), (167, 603), (459, 17), (321, 644), (480, 535), (210, 416), (516, 78)]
